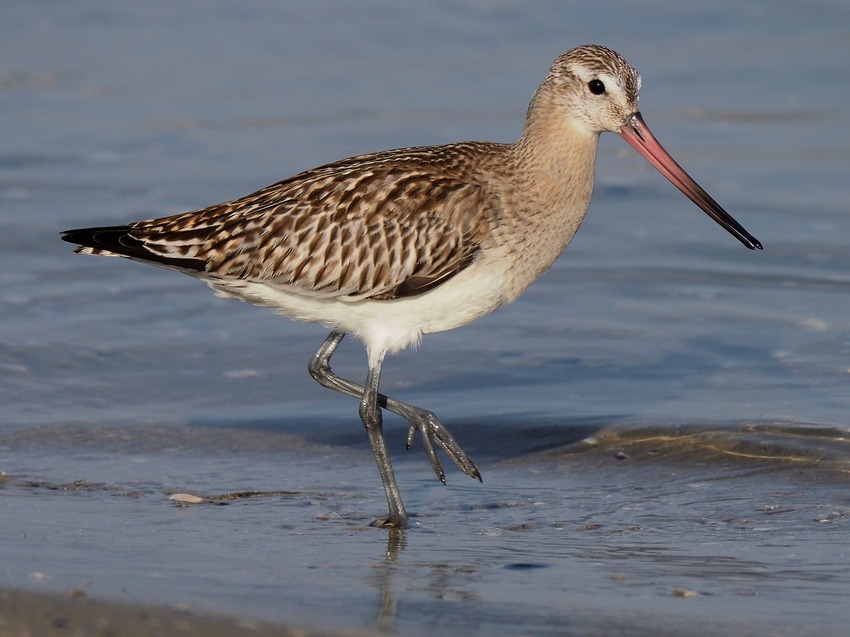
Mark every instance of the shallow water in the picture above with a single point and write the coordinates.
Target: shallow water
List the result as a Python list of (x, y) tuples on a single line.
[(664, 412)]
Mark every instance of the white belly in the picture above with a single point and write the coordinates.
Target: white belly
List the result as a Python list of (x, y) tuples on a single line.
[(386, 326)]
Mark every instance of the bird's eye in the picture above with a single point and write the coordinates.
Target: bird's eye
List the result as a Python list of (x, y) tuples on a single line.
[(596, 87)]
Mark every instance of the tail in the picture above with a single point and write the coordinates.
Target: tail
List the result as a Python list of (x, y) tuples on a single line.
[(115, 240), (118, 241)]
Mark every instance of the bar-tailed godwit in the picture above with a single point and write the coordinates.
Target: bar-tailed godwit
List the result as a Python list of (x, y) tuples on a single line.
[(393, 245)]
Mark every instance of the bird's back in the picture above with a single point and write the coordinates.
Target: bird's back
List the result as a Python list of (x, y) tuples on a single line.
[(384, 225)]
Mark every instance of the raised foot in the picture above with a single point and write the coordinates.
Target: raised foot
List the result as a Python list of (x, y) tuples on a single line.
[(433, 432)]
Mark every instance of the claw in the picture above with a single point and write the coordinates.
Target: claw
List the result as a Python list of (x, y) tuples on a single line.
[(457, 454), (432, 456), (410, 433), (415, 425), (433, 431)]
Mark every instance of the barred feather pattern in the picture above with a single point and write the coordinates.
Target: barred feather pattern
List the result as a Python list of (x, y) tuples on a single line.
[(380, 226), (393, 245), (463, 228)]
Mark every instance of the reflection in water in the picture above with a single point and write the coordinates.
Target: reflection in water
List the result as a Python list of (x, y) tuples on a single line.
[(383, 578), (554, 535)]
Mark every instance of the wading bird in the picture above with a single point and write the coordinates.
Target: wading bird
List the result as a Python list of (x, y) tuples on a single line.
[(393, 245)]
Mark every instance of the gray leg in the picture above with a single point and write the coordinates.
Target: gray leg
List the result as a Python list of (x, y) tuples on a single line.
[(421, 420), (370, 414)]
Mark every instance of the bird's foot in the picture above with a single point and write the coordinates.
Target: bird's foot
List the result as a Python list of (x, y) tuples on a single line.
[(433, 431), (390, 522)]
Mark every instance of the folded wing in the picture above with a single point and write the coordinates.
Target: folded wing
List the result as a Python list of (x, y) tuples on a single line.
[(367, 227)]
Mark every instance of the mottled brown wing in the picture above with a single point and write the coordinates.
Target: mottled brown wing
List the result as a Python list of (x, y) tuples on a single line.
[(378, 230)]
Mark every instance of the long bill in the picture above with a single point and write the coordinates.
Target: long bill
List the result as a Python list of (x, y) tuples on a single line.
[(638, 135)]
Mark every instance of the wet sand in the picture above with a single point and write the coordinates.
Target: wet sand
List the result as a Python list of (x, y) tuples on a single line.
[(599, 530), (28, 614)]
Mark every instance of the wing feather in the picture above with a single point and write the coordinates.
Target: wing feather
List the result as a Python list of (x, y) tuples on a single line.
[(380, 226)]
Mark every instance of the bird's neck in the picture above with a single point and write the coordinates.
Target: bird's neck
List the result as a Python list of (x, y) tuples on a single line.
[(557, 159)]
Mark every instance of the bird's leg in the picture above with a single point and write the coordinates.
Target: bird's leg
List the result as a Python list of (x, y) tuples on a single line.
[(370, 414), (421, 420)]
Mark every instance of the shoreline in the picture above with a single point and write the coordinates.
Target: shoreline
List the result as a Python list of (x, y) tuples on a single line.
[(25, 612)]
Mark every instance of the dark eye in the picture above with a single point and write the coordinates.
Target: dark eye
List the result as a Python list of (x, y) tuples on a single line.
[(596, 87)]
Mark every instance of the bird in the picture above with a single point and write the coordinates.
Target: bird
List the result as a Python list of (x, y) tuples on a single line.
[(389, 246)]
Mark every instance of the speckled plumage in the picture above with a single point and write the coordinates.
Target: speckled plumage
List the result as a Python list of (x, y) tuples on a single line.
[(393, 224), (391, 245), (378, 226)]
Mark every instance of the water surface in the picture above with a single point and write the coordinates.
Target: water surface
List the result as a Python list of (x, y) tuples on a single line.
[(661, 420)]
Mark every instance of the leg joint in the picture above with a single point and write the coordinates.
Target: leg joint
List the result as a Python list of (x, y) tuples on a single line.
[(320, 365)]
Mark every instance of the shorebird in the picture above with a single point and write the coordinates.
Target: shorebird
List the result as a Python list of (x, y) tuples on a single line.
[(396, 244)]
